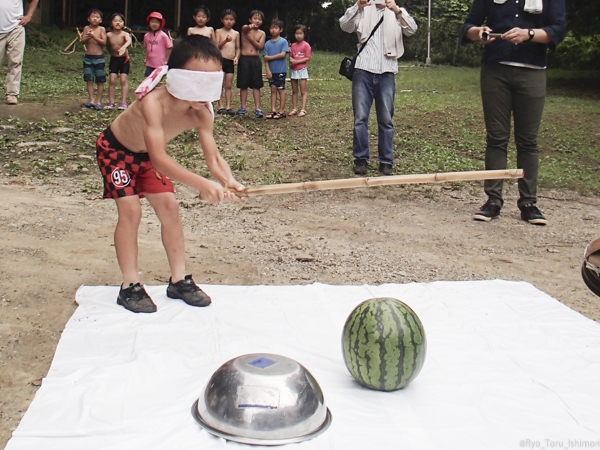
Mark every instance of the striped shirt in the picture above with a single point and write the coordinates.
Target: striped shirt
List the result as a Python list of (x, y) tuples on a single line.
[(372, 58)]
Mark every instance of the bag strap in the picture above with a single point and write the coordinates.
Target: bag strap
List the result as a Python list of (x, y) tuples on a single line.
[(371, 35)]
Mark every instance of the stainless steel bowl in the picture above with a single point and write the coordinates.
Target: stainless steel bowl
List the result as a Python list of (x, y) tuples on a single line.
[(262, 399)]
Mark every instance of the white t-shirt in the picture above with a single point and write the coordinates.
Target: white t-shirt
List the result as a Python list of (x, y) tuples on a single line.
[(10, 13)]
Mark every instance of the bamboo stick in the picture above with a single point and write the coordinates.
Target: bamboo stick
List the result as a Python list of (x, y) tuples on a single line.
[(80, 36), (353, 183), (66, 50)]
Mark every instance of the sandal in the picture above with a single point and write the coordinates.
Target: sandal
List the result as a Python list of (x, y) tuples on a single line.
[(293, 112), (221, 111), (302, 113), (282, 115), (271, 115)]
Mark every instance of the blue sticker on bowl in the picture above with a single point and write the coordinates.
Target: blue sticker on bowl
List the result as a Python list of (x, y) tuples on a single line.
[(261, 363)]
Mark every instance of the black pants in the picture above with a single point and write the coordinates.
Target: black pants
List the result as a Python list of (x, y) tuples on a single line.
[(520, 92)]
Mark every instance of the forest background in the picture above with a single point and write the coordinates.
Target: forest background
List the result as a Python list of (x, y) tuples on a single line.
[(580, 49)]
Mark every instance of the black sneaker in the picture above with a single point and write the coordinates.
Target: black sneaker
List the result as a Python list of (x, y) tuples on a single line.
[(530, 213), (386, 169), (187, 291), (489, 211), (136, 299), (360, 166)]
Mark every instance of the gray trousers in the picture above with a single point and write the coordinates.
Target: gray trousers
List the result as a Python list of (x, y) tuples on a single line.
[(520, 92)]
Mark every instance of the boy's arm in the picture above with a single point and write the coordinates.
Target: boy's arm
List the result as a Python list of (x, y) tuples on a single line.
[(100, 38), (238, 48), (84, 35), (155, 141), (218, 167), (221, 42), (281, 55), (259, 43), (127, 43)]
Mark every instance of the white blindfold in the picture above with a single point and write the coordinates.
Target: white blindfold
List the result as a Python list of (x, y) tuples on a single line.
[(190, 85)]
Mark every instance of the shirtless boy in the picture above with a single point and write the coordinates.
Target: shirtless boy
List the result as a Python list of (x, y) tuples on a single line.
[(228, 41), (201, 17), (133, 160), (250, 68), (117, 42), (94, 38)]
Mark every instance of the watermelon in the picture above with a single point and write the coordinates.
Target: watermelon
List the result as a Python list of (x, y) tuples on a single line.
[(384, 344)]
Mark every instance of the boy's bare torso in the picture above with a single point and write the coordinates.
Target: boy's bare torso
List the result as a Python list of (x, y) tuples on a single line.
[(248, 49), (229, 49), (178, 116), (114, 41), (93, 48), (201, 31)]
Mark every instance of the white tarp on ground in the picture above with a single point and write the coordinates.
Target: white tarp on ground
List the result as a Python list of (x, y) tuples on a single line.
[(507, 367)]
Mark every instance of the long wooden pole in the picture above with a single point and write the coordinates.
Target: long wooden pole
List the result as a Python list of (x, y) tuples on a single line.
[(353, 183)]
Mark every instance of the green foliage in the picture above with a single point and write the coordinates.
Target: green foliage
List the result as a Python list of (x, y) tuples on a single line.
[(577, 52), (583, 17)]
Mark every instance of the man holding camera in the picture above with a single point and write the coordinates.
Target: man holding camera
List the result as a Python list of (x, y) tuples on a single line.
[(374, 75), (516, 36)]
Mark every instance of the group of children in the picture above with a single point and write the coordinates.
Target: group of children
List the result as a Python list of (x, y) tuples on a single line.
[(237, 49), (94, 37)]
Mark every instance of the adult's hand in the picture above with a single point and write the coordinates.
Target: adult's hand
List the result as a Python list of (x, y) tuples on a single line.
[(516, 36), (362, 3), (391, 4), (25, 20)]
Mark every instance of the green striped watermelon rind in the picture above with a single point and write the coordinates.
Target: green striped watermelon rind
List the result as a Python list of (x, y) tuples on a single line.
[(384, 344)]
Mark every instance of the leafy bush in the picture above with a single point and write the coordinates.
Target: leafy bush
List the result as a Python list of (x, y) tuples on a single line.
[(576, 52)]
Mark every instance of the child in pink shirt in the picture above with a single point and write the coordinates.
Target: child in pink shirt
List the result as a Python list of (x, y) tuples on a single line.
[(157, 43), (300, 54)]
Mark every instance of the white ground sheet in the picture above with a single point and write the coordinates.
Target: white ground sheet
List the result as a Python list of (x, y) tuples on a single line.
[(507, 367)]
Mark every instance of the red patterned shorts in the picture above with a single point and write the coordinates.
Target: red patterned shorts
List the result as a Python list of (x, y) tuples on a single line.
[(126, 173)]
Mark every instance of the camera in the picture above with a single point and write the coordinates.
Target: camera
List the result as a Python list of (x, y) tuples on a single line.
[(487, 35)]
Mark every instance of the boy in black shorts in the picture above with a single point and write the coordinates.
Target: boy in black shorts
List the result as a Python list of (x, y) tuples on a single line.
[(117, 42), (250, 65), (228, 41)]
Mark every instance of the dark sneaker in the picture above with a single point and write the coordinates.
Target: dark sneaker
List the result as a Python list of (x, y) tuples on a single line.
[(386, 169), (489, 211), (187, 291), (531, 214), (360, 167), (136, 299)]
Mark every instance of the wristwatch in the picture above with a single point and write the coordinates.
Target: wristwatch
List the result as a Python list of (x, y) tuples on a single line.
[(531, 34)]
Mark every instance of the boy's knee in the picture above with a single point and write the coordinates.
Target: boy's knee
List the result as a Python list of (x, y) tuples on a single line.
[(130, 216)]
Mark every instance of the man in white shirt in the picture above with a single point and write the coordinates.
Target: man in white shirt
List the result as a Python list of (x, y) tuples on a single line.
[(374, 75), (12, 43)]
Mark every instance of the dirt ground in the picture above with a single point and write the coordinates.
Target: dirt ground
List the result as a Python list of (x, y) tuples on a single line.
[(55, 239)]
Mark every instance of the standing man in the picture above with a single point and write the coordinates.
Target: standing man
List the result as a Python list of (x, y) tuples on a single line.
[(513, 82), (374, 75), (12, 43)]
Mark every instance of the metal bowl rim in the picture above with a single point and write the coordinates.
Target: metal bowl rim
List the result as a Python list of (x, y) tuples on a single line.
[(255, 441)]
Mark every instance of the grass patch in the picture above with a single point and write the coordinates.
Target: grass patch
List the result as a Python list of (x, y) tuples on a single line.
[(438, 120)]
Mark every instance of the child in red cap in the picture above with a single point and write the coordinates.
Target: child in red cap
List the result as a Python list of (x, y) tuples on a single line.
[(158, 45)]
